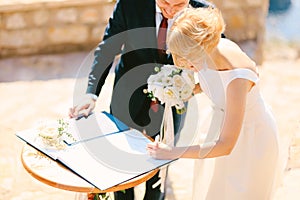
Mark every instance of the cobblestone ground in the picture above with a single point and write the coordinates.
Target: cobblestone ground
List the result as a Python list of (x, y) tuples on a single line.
[(25, 100)]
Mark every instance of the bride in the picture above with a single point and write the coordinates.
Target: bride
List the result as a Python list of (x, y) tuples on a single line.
[(246, 147)]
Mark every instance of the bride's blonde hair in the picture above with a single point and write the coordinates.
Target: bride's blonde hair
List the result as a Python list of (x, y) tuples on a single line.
[(195, 33)]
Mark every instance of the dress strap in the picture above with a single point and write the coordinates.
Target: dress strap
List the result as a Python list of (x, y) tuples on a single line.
[(243, 73)]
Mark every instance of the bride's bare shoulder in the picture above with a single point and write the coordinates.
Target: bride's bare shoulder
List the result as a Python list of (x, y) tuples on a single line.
[(224, 42), (235, 55), (228, 47)]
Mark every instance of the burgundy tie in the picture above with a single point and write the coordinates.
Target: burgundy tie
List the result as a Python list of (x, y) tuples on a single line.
[(161, 48), (161, 37)]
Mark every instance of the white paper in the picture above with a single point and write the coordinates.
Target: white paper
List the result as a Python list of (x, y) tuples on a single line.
[(92, 126), (95, 172)]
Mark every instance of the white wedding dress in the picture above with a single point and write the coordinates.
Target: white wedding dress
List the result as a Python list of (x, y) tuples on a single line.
[(248, 173)]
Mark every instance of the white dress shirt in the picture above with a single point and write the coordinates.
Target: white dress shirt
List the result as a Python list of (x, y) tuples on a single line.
[(158, 18)]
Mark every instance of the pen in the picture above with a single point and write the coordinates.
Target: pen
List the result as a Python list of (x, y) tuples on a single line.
[(156, 140)]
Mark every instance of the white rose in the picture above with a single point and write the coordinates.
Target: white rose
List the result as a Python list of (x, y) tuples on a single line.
[(171, 95), (178, 81), (186, 92), (171, 92), (151, 87), (188, 77), (151, 79), (158, 92), (167, 81)]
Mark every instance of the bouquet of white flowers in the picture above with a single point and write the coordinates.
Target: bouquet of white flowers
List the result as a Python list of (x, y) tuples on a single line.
[(171, 85)]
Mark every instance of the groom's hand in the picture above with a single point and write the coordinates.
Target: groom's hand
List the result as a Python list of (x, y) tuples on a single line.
[(84, 108)]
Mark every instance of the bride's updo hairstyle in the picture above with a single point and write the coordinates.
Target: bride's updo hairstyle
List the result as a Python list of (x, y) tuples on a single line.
[(196, 32)]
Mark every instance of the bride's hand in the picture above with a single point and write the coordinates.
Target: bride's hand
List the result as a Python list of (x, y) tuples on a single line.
[(161, 151), (197, 89)]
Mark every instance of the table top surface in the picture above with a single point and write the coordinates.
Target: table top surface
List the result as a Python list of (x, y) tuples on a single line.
[(54, 174)]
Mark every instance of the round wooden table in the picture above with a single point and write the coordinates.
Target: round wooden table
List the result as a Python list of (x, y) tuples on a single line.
[(54, 174)]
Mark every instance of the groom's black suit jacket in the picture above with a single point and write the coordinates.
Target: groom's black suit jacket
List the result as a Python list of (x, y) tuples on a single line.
[(131, 32)]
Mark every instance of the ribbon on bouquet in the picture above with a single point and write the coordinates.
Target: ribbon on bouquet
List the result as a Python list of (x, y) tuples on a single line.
[(167, 137), (167, 126)]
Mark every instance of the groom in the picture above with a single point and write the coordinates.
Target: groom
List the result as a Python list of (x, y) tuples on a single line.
[(136, 31)]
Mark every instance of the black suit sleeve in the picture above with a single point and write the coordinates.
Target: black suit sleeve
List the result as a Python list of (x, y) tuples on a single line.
[(107, 50), (200, 3)]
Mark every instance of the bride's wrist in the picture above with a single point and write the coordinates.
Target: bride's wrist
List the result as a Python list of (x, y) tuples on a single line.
[(178, 152)]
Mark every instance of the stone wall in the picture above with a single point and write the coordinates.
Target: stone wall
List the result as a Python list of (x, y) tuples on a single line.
[(245, 24), (45, 26)]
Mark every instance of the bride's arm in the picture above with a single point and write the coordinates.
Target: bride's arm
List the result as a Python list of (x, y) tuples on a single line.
[(236, 99), (235, 108)]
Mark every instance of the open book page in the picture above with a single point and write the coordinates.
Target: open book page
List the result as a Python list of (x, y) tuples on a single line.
[(93, 126), (111, 160)]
